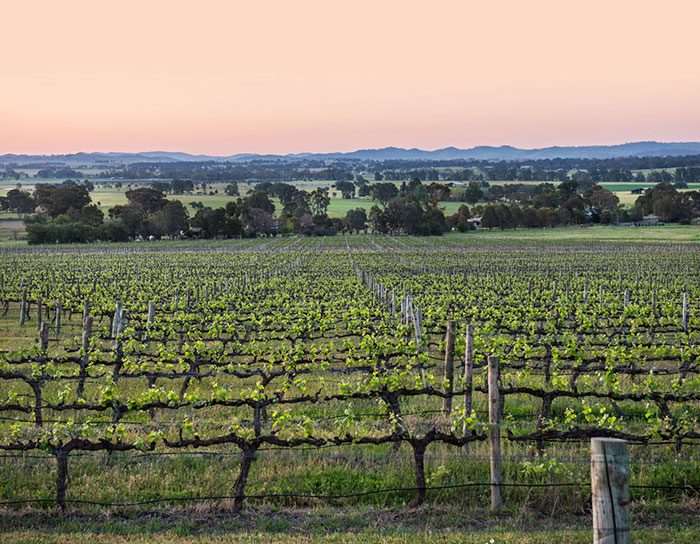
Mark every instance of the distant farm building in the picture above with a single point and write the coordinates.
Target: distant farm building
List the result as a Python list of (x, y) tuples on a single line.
[(640, 190)]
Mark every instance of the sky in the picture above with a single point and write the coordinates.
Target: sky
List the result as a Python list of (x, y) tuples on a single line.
[(225, 77)]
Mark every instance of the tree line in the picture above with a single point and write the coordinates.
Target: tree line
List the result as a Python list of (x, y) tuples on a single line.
[(65, 213)]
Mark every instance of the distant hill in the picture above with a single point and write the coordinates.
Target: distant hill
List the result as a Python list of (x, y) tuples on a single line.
[(634, 149)]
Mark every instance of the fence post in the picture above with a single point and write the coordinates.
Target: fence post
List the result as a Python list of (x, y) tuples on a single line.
[(449, 368), (685, 312), (610, 479), (494, 436)]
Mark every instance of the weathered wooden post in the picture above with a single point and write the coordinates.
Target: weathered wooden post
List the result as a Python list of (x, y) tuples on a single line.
[(23, 308), (87, 332), (86, 308), (494, 436), (44, 337), (116, 318), (61, 477), (685, 311), (449, 368), (151, 313), (610, 480), (59, 307), (38, 314), (468, 377)]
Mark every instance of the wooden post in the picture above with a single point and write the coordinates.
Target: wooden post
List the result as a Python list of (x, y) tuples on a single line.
[(86, 308), (627, 298), (38, 314), (87, 332), (449, 368), (600, 294), (151, 314), (59, 305), (61, 478), (468, 376), (494, 436), (23, 308), (685, 312), (610, 478), (116, 318), (44, 337)]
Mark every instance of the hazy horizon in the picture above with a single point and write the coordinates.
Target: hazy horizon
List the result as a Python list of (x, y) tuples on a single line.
[(177, 151), (224, 78)]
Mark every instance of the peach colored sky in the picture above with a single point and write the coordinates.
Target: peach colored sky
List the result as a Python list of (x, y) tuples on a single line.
[(223, 77)]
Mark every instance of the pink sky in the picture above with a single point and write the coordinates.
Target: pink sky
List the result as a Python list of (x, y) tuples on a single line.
[(224, 77)]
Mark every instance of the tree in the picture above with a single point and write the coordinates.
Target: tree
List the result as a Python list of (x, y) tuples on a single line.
[(260, 200), (18, 201), (346, 188), (436, 193), (319, 201), (162, 186), (58, 200), (473, 192), (601, 199), (377, 219), (405, 214), (383, 192), (489, 217), (130, 217), (257, 221), (91, 215), (356, 219), (567, 189), (231, 189), (364, 190), (181, 186), (146, 200), (295, 202), (505, 218), (171, 219)]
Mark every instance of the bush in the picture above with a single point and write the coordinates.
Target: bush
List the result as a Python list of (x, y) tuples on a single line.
[(64, 231)]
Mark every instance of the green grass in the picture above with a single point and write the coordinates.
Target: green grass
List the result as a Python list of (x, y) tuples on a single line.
[(447, 526), (664, 234)]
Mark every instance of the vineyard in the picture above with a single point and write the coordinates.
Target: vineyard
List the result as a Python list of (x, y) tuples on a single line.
[(360, 370)]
